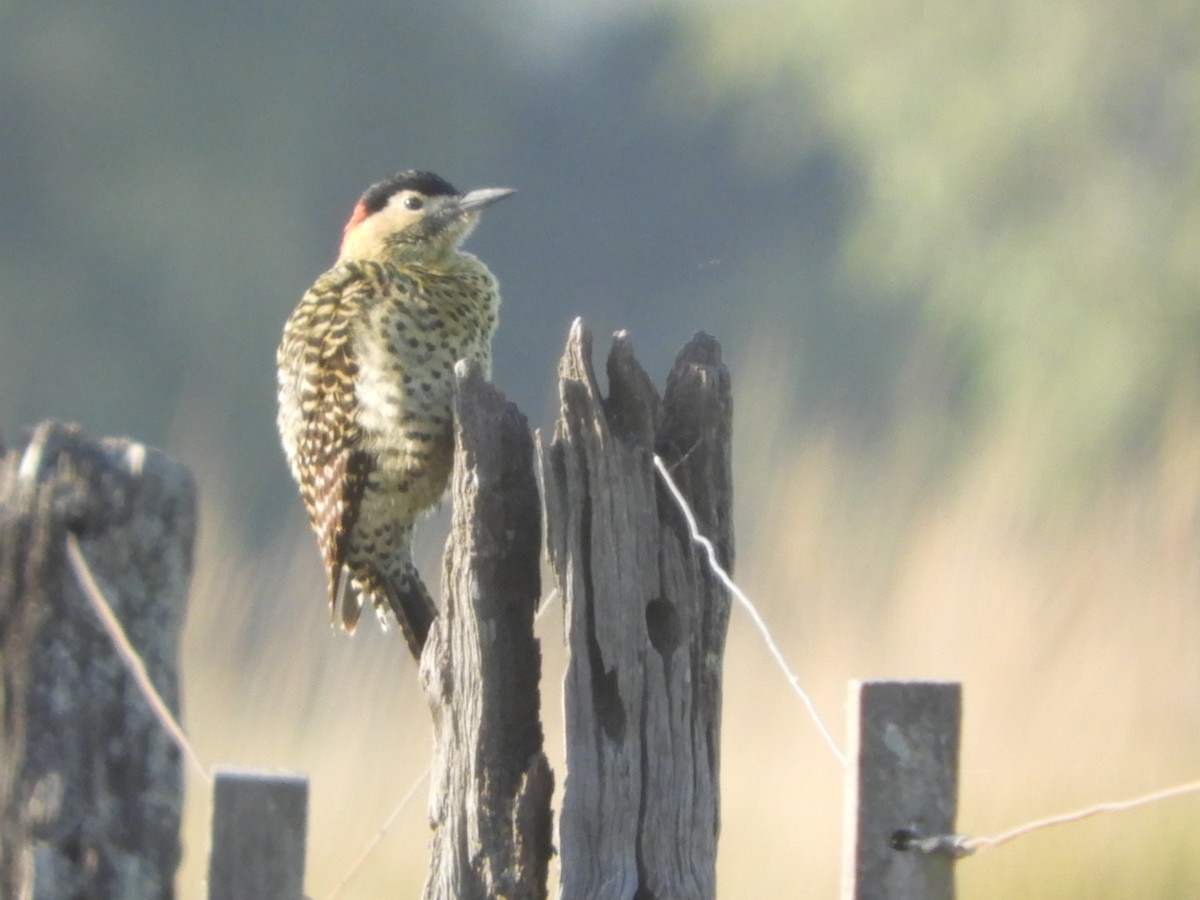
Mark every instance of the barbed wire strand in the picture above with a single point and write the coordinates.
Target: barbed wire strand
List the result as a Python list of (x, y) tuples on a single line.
[(133, 661), (361, 860), (757, 619), (972, 844)]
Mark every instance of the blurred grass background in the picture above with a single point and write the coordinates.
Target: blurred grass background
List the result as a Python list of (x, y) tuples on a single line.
[(953, 255)]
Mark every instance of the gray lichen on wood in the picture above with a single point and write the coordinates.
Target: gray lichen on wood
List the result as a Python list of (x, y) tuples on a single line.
[(646, 620), (491, 788), (90, 785)]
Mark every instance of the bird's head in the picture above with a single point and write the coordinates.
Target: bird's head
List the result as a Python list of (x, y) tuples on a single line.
[(414, 216)]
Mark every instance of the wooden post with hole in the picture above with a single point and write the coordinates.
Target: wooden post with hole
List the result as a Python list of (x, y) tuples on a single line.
[(91, 786), (901, 787), (645, 618)]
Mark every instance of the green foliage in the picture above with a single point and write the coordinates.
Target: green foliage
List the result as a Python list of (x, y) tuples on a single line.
[(1026, 175)]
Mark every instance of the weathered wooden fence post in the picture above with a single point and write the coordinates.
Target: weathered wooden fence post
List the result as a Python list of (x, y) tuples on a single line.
[(90, 785), (259, 824), (491, 784), (901, 787), (645, 619)]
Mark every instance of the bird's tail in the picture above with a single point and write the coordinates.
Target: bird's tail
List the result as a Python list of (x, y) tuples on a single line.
[(412, 606), (403, 593)]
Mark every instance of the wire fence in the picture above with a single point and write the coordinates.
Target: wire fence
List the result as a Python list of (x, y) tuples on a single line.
[(954, 845), (133, 661)]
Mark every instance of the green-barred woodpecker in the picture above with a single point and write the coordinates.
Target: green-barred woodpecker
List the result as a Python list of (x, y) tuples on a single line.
[(366, 376)]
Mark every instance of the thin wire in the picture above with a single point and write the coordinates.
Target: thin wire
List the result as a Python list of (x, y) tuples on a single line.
[(723, 576), (412, 791), (986, 843), (956, 845), (83, 573), (545, 604), (370, 848)]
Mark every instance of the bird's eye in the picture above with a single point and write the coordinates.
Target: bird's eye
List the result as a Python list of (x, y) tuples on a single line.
[(413, 202)]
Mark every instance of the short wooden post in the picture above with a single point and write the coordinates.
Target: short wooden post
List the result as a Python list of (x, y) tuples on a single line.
[(259, 824), (645, 618), (91, 786), (491, 783), (901, 787)]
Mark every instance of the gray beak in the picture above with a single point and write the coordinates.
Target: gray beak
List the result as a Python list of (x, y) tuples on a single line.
[(474, 200)]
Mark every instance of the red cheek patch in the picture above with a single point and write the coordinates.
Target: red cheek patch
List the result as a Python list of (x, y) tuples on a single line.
[(360, 213)]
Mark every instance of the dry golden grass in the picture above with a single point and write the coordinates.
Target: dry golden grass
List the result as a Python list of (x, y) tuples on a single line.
[(1076, 633)]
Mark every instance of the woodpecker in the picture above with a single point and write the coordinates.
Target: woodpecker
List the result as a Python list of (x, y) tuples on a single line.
[(365, 376)]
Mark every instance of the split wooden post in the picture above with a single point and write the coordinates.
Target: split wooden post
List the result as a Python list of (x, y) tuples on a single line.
[(901, 787), (645, 617), (91, 786), (259, 825), (491, 784)]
